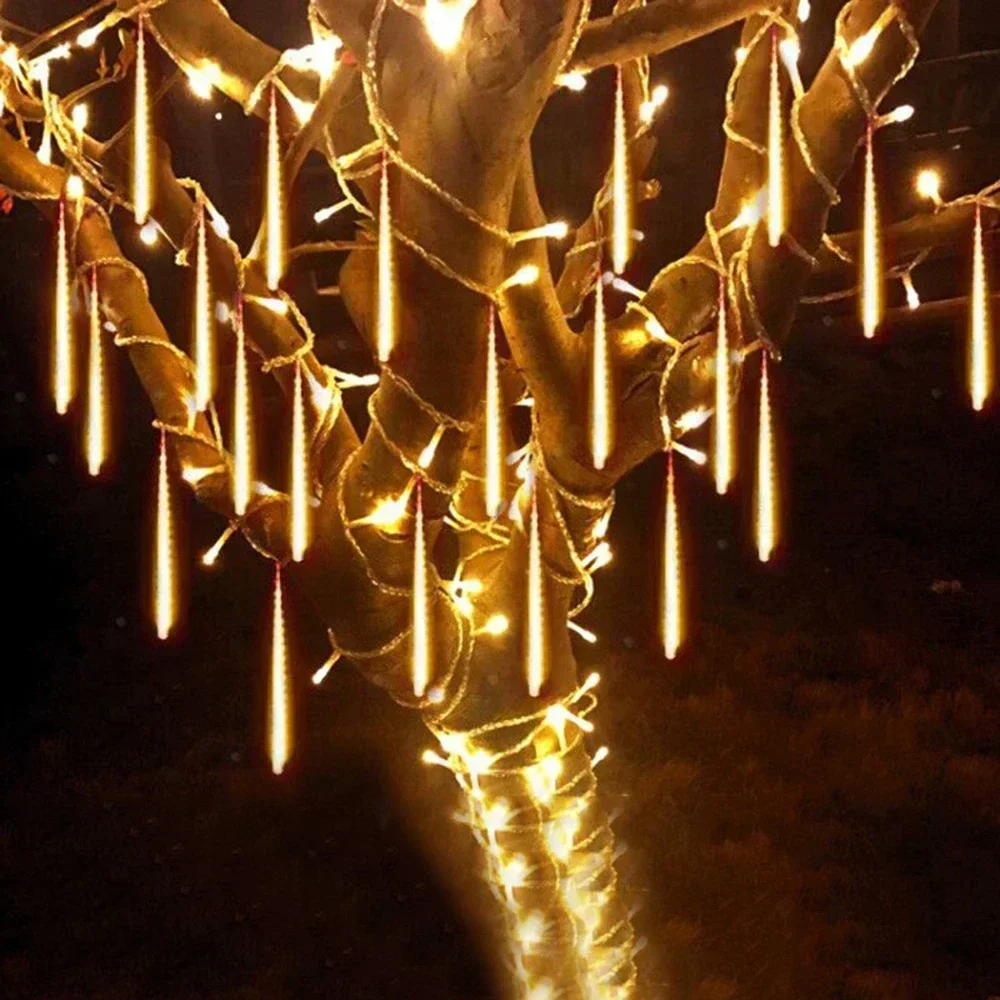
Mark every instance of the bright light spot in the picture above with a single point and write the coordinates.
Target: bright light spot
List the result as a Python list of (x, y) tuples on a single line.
[(445, 21), (89, 36), (901, 114), (496, 625), (805, 9), (80, 116), (74, 187), (572, 81), (203, 80), (912, 296), (150, 234), (862, 48), (929, 185)]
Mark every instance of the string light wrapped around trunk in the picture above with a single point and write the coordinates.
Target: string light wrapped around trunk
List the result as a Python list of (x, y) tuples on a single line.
[(97, 417), (981, 374)]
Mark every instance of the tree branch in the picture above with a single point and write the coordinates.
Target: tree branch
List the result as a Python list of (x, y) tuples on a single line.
[(654, 28)]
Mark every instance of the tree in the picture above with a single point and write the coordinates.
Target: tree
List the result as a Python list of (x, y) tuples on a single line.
[(424, 113)]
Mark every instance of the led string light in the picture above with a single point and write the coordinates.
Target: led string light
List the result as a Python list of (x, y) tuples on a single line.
[(420, 642), (385, 320), (535, 657), (300, 477), (871, 252)]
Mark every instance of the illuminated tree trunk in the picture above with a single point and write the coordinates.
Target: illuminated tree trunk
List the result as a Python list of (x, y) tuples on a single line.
[(427, 127)]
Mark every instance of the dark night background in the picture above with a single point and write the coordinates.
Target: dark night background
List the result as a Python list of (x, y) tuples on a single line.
[(810, 795)]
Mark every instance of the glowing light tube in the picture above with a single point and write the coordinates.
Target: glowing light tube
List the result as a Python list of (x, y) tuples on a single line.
[(96, 434), (275, 219), (621, 193), (242, 422), (871, 277), (601, 428), (980, 337), (204, 347), (493, 431), (420, 642), (300, 471), (63, 369), (673, 626), (536, 666), (775, 153), (164, 574), (280, 722), (142, 133), (386, 305), (766, 519), (723, 441)]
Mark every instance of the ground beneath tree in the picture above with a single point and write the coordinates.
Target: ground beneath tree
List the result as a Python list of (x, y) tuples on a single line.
[(810, 796)]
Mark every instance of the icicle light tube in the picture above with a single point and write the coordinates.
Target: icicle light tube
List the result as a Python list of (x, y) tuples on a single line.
[(723, 441), (97, 419), (493, 430), (672, 584), (204, 347), (420, 639), (280, 723), (242, 429), (275, 208), (300, 471), (775, 153), (871, 278), (164, 575), (536, 666), (766, 519), (63, 366), (601, 427), (980, 345), (621, 194), (142, 133), (386, 304)]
